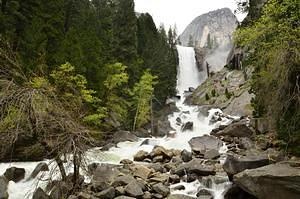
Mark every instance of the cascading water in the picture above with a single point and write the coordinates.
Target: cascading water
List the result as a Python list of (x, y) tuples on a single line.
[(188, 76)]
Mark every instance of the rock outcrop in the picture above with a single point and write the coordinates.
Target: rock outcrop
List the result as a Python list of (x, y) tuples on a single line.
[(275, 181)]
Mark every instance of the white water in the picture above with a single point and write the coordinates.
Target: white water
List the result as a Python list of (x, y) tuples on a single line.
[(188, 76)]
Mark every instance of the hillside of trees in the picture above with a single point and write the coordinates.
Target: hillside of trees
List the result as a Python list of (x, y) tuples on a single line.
[(271, 40), (70, 69)]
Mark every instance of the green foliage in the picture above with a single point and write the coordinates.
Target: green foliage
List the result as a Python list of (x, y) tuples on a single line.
[(142, 95), (115, 84), (274, 41), (213, 93), (228, 94), (207, 97)]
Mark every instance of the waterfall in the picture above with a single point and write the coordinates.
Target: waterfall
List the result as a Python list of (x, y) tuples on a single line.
[(188, 74)]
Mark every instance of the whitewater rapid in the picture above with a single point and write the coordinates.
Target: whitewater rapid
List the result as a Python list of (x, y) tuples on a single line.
[(188, 76)]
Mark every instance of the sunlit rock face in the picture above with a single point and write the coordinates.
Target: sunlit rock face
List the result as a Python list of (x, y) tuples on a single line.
[(213, 32)]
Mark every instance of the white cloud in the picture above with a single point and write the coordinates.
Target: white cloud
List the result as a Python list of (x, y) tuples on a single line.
[(180, 12)]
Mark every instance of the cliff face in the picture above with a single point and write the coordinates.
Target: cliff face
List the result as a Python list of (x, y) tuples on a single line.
[(216, 26), (211, 34)]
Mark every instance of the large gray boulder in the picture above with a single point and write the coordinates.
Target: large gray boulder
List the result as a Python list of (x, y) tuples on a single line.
[(238, 129), (14, 174), (122, 136), (161, 128), (103, 176), (205, 143), (134, 189), (3, 187), (275, 181), (195, 166), (236, 164)]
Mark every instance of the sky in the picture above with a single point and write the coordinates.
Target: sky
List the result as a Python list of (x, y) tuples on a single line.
[(180, 12)]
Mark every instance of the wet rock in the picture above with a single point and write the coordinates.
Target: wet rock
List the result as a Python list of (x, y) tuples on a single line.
[(107, 193), (126, 161), (238, 129), (211, 154), (204, 194), (145, 142), (157, 196), (204, 143), (140, 171), (246, 143), (161, 189), (235, 164), (124, 197), (119, 191), (195, 166), (161, 151), (83, 195), (179, 187), (14, 174), (159, 178), (174, 179), (235, 192), (123, 136), (191, 89), (275, 181), (39, 194), (103, 176), (142, 133), (191, 177), (3, 187), (186, 156), (123, 180), (140, 156), (42, 166), (157, 167), (133, 189), (147, 195), (161, 128), (187, 126), (178, 120), (180, 196), (159, 158)]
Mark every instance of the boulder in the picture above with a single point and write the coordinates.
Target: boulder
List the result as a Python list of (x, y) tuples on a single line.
[(238, 129), (235, 164), (107, 193), (186, 156), (205, 143), (195, 166), (211, 154), (246, 143), (187, 126), (124, 197), (3, 187), (204, 194), (103, 176), (15, 174), (275, 181), (140, 171), (122, 136), (126, 161), (42, 166), (134, 189), (39, 194), (123, 180), (174, 179), (140, 156), (235, 192), (161, 189), (180, 196), (161, 128), (142, 133), (161, 151)]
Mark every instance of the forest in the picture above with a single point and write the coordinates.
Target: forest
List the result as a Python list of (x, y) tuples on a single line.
[(72, 67)]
